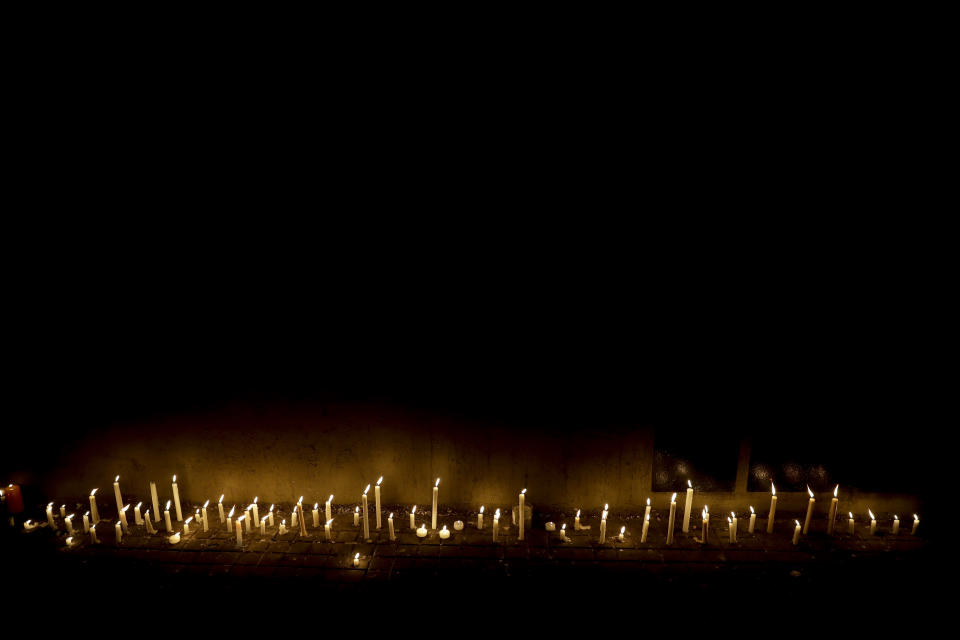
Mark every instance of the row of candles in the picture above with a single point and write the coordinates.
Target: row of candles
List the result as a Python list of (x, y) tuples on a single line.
[(247, 520)]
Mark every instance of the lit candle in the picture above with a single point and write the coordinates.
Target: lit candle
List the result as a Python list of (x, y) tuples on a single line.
[(174, 539), (603, 531), (522, 513), (356, 517), (646, 526), (753, 520), (86, 522), (622, 531), (496, 524), (412, 512), (480, 518), (69, 522), (390, 527), (356, 560), (646, 514), (206, 522), (376, 500), (239, 528), (166, 518), (137, 515), (366, 514), (916, 523), (263, 526), (733, 527), (422, 531), (63, 509), (186, 526), (69, 541), (833, 511), (327, 507), (873, 523), (156, 503), (176, 500), (316, 515), (673, 515), (29, 525), (444, 533), (220, 507), (327, 531), (433, 520), (773, 507), (50, 520), (706, 523), (303, 519), (146, 521), (123, 519), (563, 532), (896, 525), (796, 533), (687, 507), (806, 522), (116, 493), (93, 533), (282, 529), (850, 524), (230, 518), (606, 508), (293, 516), (246, 518), (94, 514), (270, 515), (576, 521)]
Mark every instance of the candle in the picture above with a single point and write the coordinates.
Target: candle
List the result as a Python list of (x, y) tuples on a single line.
[(186, 526), (303, 519), (174, 539), (50, 520), (316, 515), (366, 514), (29, 526), (270, 515), (263, 526), (220, 507), (796, 533), (646, 514), (123, 519), (480, 518), (230, 518), (93, 533), (433, 520), (94, 514), (413, 511), (496, 524), (458, 525), (850, 523), (732, 521), (773, 507), (86, 522), (873, 523), (916, 523), (166, 518), (149, 524), (69, 522), (390, 527), (563, 532), (293, 516), (69, 541), (806, 522), (521, 512), (603, 531), (116, 493), (706, 523), (239, 528), (356, 560), (896, 525), (282, 529), (137, 515), (622, 531), (376, 500), (327, 531), (422, 531), (256, 510), (356, 517), (327, 507), (246, 518), (687, 507), (156, 503), (444, 533), (673, 514), (63, 510), (646, 526), (576, 521), (753, 520), (176, 500), (606, 508), (206, 522), (833, 511)]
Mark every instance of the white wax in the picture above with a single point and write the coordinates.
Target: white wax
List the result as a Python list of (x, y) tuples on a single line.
[(246, 522), (166, 520), (496, 527), (220, 507), (873, 527), (156, 504), (686, 510), (93, 534), (123, 520), (522, 514), (356, 518), (63, 511), (282, 529), (433, 516), (444, 533), (390, 527), (916, 523), (149, 524), (850, 526), (673, 514), (263, 526), (646, 526), (186, 527), (706, 529), (733, 530), (293, 517), (412, 523), (94, 514), (137, 516), (270, 515), (796, 534), (603, 531), (422, 531), (376, 503), (366, 518), (458, 525), (86, 523), (327, 532), (316, 517), (806, 522), (563, 532), (646, 513), (116, 494), (773, 510), (239, 532), (480, 520), (896, 526), (753, 522), (205, 522), (176, 502), (832, 517), (50, 520), (69, 523), (256, 511), (327, 508)]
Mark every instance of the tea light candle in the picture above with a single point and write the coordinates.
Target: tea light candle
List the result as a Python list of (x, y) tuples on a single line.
[(166, 518), (549, 526), (156, 503), (806, 522), (50, 520), (796, 532), (69, 541), (646, 527), (282, 529), (29, 525), (433, 517), (422, 531), (270, 516), (256, 510), (576, 521), (239, 528), (186, 526), (687, 507), (480, 518), (123, 518), (176, 500), (206, 522), (850, 524), (146, 521), (458, 525), (376, 500), (496, 524), (873, 523), (356, 517), (137, 515), (326, 530), (390, 527), (916, 523), (86, 522), (316, 515), (327, 507), (94, 514), (833, 511), (174, 539), (673, 515), (773, 507), (93, 533), (118, 532), (444, 533), (356, 560), (522, 513), (220, 507), (69, 522), (753, 520), (412, 512), (896, 525), (366, 515), (116, 493)]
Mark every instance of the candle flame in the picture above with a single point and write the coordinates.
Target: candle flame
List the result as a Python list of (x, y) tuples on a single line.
[(117, 479), (563, 526), (168, 506), (648, 502), (139, 504), (329, 522), (895, 517), (230, 515), (357, 510), (174, 479), (808, 491), (704, 513), (316, 505), (606, 507), (125, 507), (271, 507), (249, 507), (365, 490), (851, 514), (444, 527), (255, 498), (70, 540), (241, 518), (390, 517), (733, 515), (773, 489), (798, 523), (92, 493), (689, 484), (301, 498), (578, 513), (205, 504), (622, 529), (497, 514), (188, 520), (524, 491), (50, 505), (438, 483), (87, 513), (356, 557), (283, 523), (751, 509), (915, 517), (872, 517), (481, 508), (414, 510), (263, 519), (835, 489), (221, 497), (729, 521), (674, 497), (330, 499), (379, 481)]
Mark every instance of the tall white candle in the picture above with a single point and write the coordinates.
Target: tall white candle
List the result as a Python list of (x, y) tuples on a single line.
[(376, 500), (256, 509), (206, 522), (123, 518), (93, 533), (873, 523), (673, 515), (522, 513), (116, 493), (293, 516), (239, 528), (366, 514), (433, 517), (94, 514), (166, 518), (688, 507), (916, 523), (833, 511), (646, 513), (480, 518), (850, 524), (270, 515), (86, 522), (390, 527), (246, 518), (50, 520), (68, 521), (563, 532), (773, 507), (327, 507), (646, 527), (806, 522), (496, 524), (63, 511), (413, 525), (753, 520), (137, 514), (327, 531), (263, 526), (220, 508), (156, 503), (896, 525), (316, 515), (176, 500), (796, 533)]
